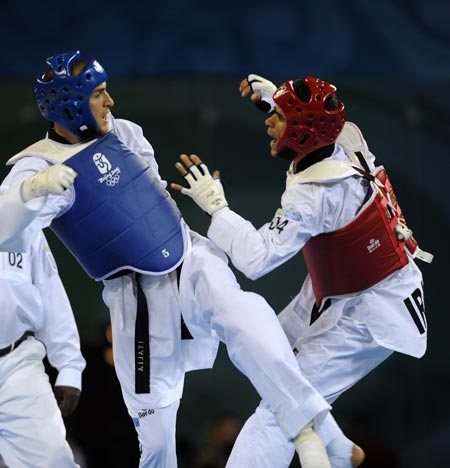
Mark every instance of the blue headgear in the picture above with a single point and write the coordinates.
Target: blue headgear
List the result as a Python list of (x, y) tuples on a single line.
[(65, 98)]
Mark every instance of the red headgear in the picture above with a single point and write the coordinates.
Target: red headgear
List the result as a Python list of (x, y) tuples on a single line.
[(309, 125)]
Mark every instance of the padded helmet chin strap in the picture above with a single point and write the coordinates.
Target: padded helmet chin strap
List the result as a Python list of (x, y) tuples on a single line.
[(310, 124), (287, 154), (63, 97)]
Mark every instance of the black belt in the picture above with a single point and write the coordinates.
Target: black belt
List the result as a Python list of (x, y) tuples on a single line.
[(142, 339), (8, 349), (141, 342)]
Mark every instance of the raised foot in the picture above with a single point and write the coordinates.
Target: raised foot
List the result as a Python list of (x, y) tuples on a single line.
[(358, 456)]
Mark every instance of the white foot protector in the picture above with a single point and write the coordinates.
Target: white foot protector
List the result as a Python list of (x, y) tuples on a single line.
[(311, 449), (343, 453), (340, 452)]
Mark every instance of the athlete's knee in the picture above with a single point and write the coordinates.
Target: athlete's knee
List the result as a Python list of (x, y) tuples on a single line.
[(157, 454), (242, 312), (157, 450)]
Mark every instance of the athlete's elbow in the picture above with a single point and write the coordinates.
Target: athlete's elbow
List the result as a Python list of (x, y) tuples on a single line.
[(250, 271)]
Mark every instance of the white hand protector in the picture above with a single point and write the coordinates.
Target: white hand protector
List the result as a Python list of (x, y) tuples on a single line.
[(54, 179), (266, 89), (204, 189)]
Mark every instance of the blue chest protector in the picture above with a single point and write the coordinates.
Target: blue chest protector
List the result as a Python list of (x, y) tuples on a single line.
[(121, 217)]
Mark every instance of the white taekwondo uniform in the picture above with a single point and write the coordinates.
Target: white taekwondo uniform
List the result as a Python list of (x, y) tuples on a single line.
[(211, 303), (336, 344), (33, 300)]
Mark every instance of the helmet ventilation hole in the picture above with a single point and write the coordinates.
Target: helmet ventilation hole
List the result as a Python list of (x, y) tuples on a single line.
[(69, 114)]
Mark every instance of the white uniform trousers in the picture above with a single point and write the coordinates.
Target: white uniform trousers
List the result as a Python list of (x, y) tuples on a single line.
[(156, 434), (213, 303), (213, 307), (333, 362), (32, 432)]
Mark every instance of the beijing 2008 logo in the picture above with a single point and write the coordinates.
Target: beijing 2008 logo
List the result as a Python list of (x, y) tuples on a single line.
[(110, 176)]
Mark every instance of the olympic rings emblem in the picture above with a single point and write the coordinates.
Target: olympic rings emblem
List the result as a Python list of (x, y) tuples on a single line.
[(113, 180)]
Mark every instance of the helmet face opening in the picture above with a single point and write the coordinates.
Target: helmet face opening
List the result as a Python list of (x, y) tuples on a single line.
[(313, 120), (63, 95)]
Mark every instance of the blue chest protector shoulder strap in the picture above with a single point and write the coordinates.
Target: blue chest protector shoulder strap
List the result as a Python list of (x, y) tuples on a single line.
[(122, 218)]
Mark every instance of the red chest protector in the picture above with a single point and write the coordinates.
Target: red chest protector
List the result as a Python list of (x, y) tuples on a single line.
[(370, 247), (363, 252)]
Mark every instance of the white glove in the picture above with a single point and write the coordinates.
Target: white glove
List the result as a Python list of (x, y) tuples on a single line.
[(266, 89), (206, 191), (54, 179)]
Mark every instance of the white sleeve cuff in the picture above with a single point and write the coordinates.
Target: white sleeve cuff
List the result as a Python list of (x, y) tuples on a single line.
[(223, 226), (69, 377), (35, 204)]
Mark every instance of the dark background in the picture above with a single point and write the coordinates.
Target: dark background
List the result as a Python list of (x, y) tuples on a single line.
[(175, 68)]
